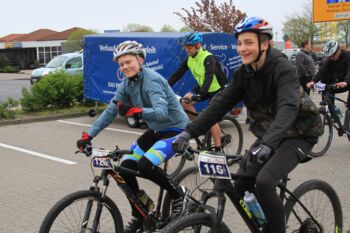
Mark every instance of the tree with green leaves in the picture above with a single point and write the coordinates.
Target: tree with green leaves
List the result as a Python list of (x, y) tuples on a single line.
[(343, 30), (167, 28), (75, 40), (301, 27), (134, 27), (207, 16)]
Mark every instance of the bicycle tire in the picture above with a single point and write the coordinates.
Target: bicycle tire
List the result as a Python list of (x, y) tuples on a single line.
[(191, 179), (175, 166), (61, 215), (316, 195), (347, 123), (232, 136), (194, 220), (325, 140)]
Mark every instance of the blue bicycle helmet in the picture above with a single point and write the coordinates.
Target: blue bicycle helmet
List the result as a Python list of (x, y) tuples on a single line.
[(253, 24), (192, 38)]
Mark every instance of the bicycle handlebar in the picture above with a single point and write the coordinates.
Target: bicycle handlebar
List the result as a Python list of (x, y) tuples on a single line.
[(189, 154), (115, 155)]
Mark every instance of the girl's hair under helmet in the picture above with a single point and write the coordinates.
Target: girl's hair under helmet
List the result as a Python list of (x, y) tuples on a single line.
[(192, 38), (253, 24), (129, 47), (330, 48)]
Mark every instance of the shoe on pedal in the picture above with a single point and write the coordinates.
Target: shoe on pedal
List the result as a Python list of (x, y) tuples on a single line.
[(134, 226), (178, 206)]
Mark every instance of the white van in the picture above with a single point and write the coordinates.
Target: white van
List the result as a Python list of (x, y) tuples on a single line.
[(71, 63)]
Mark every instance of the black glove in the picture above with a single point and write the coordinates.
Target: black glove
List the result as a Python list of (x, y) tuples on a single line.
[(196, 98), (122, 108), (181, 142), (84, 141), (257, 155), (261, 153)]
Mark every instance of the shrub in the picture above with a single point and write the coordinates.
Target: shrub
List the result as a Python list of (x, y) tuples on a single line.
[(8, 108), (9, 69), (56, 90)]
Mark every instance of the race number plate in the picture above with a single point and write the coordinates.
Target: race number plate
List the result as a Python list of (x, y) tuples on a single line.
[(319, 86), (213, 166), (98, 159)]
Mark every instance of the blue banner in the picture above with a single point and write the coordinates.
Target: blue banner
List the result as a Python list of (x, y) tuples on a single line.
[(164, 54)]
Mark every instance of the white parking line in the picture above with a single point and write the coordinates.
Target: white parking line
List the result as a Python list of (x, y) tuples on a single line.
[(112, 129), (38, 154)]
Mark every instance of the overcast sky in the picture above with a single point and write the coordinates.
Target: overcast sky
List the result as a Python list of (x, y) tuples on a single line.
[(23, 16)]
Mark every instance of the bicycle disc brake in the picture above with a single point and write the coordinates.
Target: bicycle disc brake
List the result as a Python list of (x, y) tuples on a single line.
[(309, 226)]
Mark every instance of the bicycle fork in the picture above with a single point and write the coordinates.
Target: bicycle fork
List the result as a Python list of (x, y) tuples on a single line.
[(89, 205)]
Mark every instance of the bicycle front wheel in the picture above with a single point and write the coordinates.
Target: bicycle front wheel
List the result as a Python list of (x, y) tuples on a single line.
[(321, 201), (83, 211), (231, 136), (195, 222), (325, 140)]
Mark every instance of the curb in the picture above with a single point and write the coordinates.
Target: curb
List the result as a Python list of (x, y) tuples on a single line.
[(38, 119)]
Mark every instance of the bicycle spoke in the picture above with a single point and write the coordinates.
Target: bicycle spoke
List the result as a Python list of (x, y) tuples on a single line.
[(319, 206), (71, 218)]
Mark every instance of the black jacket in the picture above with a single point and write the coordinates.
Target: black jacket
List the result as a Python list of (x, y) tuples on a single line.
[(335, 71), (272, 96)]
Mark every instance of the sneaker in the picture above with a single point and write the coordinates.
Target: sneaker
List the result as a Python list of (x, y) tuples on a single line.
[(178, 206), (134, 226)]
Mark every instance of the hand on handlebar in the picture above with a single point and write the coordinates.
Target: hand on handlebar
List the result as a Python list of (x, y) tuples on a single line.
[(84, 143), (182, 142), (310, 84), (341, 84)]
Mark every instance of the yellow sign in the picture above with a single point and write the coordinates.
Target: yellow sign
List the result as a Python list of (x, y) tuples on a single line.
[(330, 10)]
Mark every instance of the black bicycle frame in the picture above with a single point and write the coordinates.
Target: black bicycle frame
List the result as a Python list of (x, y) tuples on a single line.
[(327, 99), (226, 186)]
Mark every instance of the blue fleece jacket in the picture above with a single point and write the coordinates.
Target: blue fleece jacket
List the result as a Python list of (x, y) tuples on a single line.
[(161, 108)]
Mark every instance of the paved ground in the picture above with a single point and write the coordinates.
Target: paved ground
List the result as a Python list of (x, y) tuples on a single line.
[(31, 183)]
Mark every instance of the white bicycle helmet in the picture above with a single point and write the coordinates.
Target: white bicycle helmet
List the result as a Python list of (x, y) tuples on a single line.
[(330, 48), (129, 47)]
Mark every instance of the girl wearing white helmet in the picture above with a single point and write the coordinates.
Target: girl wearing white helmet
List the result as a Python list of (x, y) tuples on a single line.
[(267, 83), (144, 94)]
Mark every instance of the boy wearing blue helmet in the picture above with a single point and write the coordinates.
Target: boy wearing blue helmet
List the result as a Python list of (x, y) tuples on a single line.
[(208, 73), (267, 83)]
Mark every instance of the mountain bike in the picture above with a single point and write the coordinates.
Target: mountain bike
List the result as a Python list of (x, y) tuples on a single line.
[(331, 116), (313, 207), (92, 210)]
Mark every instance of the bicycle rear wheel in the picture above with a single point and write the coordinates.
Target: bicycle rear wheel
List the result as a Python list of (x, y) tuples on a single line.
[(347, 123), (78, 211), (175, 165), (321, 201), (195, 222), (325, 140), (231, 136), (196, 184)]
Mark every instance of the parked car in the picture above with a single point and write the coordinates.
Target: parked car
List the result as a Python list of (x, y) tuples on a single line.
[(71, 63), (291, 54)]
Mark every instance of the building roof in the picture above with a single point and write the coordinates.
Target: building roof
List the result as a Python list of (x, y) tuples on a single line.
[(34, 36), (60, 35), (11, 37)]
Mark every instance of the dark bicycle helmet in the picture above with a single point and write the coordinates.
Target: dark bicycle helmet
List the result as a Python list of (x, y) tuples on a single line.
[(253, 24), (192, 38), (330, 48), (129, 47)]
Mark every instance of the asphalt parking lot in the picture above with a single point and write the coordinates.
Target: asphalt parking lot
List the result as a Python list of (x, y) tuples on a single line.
[(38, 167)]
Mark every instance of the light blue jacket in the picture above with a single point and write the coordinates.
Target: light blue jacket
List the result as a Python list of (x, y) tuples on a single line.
[(161, 108)]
